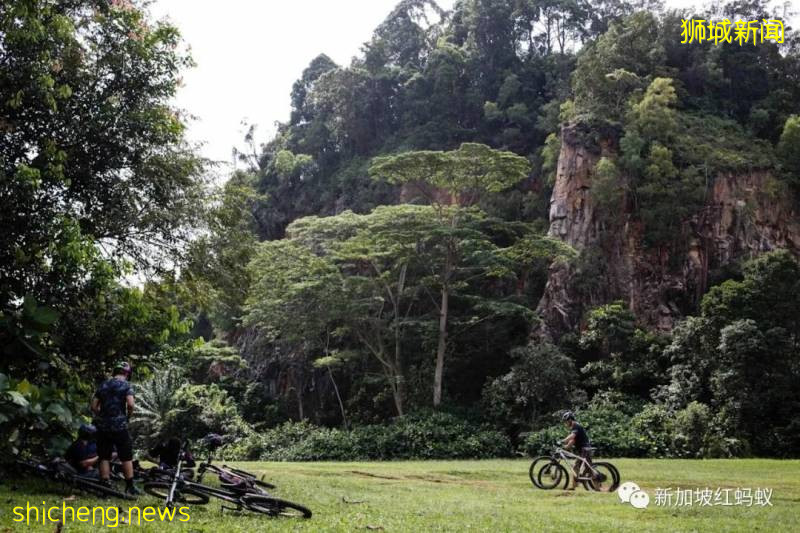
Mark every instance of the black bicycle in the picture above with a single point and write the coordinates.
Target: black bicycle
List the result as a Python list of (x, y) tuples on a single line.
[(228, 475), (59, 471), (182, 491), (548, 471), (153, 473)]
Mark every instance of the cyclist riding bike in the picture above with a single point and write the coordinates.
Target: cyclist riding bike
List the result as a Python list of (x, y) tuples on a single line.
[(82, 454), (112, 405), (577, 439)]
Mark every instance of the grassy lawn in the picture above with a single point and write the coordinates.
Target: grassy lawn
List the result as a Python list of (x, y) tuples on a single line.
[(468, 495)]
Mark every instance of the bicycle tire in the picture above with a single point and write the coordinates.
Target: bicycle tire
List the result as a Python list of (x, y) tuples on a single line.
[(614, 468), (95, 487), (551, 474), (532, 472), (609, 480), (275, 507), (188, 495)]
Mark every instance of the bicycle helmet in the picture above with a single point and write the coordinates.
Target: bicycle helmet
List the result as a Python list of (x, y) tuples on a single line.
[(86, 431), (124, 368), (568, 415)]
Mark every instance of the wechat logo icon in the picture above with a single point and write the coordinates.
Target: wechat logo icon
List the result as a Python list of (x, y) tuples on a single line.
[(630, 492)]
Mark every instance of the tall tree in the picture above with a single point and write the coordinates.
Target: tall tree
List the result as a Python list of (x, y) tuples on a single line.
[(91, 151), (465, 175)]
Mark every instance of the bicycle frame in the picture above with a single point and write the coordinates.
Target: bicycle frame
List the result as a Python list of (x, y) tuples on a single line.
[(249, 479), (561, 455), (179, 483), (207, 466)]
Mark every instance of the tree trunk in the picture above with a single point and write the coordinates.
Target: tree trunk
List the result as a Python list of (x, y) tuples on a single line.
[(399, 388), (398, 391), (441, 348), (339, 398), (299, 391)]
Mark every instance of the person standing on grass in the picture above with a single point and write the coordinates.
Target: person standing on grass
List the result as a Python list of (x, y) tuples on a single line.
[(112, 405), (577, 439)]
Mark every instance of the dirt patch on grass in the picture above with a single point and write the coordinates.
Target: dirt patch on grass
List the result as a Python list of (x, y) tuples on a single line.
[(379, 476), (426, 477)]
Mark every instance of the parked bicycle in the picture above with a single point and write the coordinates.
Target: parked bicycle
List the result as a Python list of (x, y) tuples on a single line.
[(548, 471), (182, 491), (59, 471), (228, 475)]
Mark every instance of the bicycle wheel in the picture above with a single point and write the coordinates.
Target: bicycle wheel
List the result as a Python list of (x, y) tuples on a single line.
[(187, 495), (275, 507), (551, 474), (95, 487), (617, 477), (606, 479), (536, 465)]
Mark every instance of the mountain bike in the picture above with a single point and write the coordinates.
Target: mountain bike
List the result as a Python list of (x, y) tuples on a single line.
[(547, 472), (182, 491), (59, 471), (229, 475)]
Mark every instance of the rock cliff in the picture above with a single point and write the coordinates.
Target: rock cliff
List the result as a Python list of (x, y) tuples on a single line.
[(744, 215)]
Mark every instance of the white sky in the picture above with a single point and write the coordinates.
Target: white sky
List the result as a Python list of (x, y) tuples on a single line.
[(250, 52)]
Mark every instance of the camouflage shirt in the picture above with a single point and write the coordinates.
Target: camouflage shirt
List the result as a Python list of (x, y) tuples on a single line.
[(113, 395)]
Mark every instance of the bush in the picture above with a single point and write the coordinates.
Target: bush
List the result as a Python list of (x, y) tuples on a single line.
[(689, 430), (259, 407), (202, 409), (423, 436), (538, 382), (38, 417), (652, 424), (619, 427)]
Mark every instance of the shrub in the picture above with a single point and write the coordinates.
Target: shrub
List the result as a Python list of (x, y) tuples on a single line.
[(652, 425), (423, 436), (689, 429), (38, 417), (538, 382), (202, 409), (155, 398)]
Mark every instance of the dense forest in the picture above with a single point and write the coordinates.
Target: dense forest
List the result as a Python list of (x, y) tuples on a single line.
[(370, 282)]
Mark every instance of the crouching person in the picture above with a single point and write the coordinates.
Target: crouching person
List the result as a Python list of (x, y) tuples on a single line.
[(82, 454)]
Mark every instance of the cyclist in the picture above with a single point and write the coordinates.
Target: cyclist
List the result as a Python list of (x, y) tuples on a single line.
[(577, 439), (112, 404), (82, 454)]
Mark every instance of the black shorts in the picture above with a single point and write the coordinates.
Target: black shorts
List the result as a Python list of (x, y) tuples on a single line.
[(107, 441)]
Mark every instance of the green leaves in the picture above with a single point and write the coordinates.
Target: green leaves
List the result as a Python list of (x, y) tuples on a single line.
[(467, 173), (44, 409), (45, 316), (789, 148)]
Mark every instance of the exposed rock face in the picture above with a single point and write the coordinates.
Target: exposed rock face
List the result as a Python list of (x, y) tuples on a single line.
[(743, 217)]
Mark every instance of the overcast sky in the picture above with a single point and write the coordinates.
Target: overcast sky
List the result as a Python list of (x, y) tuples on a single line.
[(250, 52)]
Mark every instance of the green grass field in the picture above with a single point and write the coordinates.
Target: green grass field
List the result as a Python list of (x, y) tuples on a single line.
[(467, 495)]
